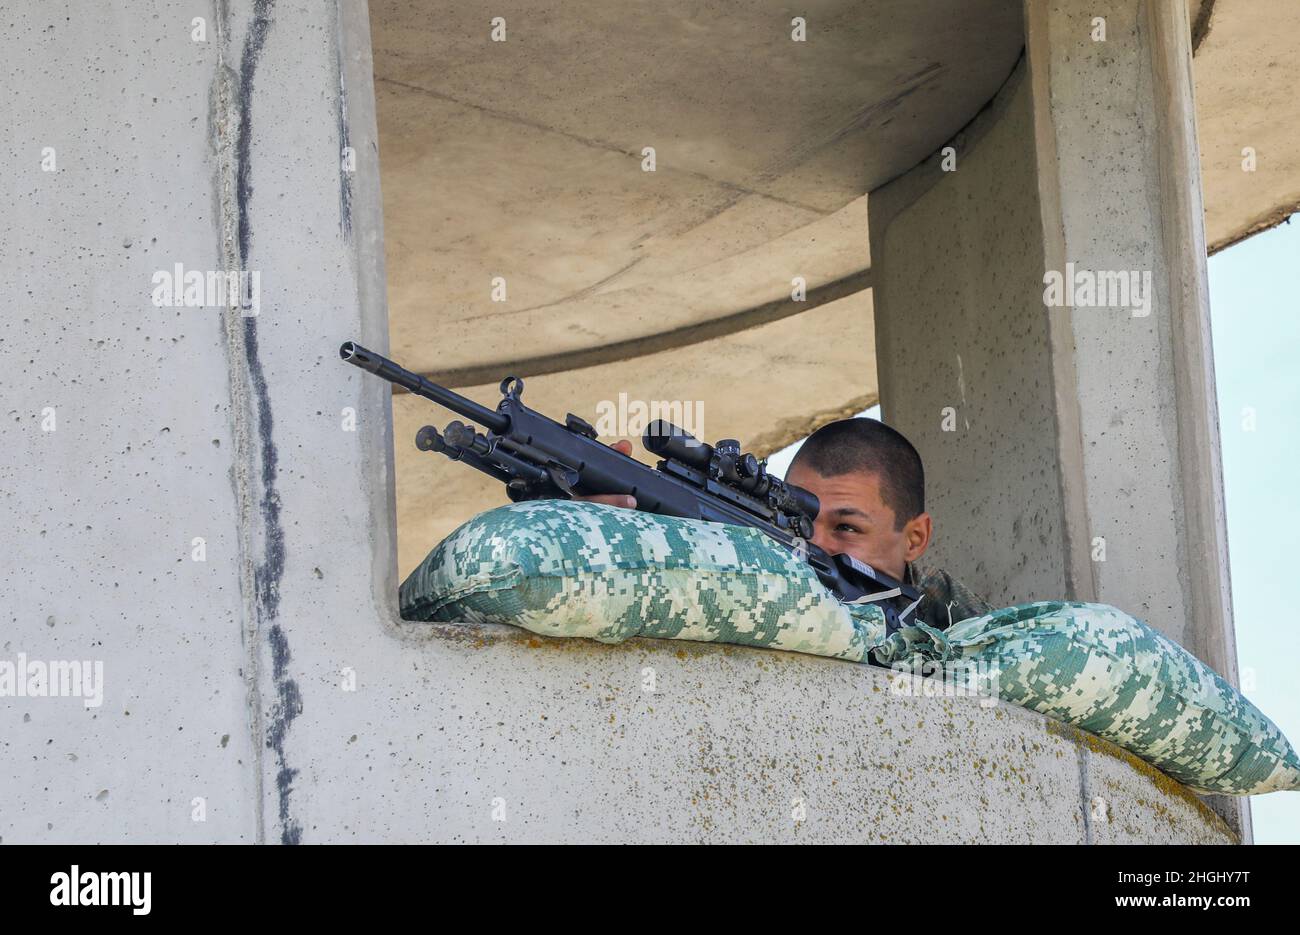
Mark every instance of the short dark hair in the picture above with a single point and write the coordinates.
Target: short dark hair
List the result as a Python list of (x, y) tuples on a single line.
[(869, 446)]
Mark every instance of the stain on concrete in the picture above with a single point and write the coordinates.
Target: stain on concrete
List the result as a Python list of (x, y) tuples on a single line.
[(288, 704), (259, 500), (268, 572), (1201, 27), (345, 145)]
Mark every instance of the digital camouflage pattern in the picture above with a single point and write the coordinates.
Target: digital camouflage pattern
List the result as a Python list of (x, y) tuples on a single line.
[(570, 568), (1110, 674), (566, 568), (944, 599)]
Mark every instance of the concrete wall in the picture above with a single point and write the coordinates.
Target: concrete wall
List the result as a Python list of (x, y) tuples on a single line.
[(227, 679), (960, 327), (1077, 424)]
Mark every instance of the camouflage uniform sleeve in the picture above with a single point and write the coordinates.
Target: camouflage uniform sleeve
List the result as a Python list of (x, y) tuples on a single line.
[(945, 600)]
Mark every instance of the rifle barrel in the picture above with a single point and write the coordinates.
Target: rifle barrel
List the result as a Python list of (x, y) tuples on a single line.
[(395, 373)]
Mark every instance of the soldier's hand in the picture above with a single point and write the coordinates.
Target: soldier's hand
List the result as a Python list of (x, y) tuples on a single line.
[(614, 499)]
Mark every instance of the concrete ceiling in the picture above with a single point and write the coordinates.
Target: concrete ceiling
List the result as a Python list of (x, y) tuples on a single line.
[(1248, 94), (523, 159)]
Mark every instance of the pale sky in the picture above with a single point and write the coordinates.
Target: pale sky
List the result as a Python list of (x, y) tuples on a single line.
[(1255, 314)]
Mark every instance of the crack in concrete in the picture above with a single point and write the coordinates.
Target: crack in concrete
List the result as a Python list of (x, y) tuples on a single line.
[(861, 120), (1085, 794), (571, 297), (733, 187)]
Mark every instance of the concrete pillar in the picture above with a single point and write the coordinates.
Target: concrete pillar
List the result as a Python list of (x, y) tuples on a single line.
[(1069, 430)]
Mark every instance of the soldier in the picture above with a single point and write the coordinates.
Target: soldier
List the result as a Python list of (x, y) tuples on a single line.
[(871, 486)]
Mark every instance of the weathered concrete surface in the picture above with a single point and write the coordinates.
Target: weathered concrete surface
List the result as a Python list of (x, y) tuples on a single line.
[(960, 274), (562, 737), (1247, 74), (492, 169), (523, 158), (225, 678), (101, 513), (1111, 432)]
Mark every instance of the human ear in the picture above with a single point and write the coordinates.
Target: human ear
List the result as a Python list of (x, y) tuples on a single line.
[(917, 534)]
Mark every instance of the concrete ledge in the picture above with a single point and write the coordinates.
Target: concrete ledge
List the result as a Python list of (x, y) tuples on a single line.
[(565, 737)]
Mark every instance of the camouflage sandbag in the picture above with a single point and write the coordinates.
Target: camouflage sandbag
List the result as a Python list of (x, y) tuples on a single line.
[(561, 568), (566, 568), (1110, 674)]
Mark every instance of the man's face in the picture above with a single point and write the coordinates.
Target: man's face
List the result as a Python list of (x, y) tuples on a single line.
[(854, 519)]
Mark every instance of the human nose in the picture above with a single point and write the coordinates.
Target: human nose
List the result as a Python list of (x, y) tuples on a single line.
[(819, 536)]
